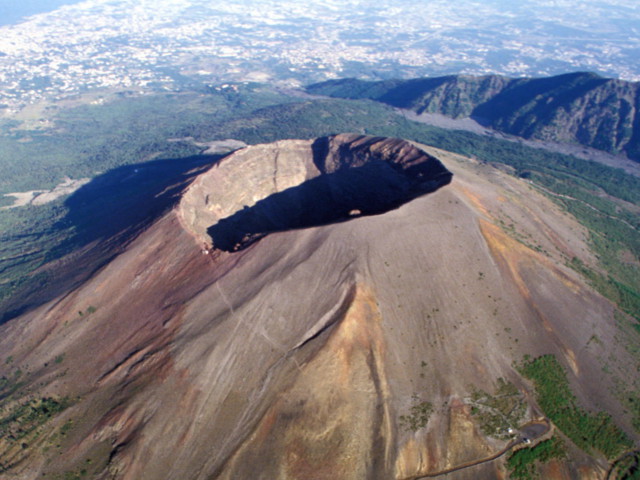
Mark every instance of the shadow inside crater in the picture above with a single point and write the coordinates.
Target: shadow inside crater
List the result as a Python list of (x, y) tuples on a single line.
[(373, 188)]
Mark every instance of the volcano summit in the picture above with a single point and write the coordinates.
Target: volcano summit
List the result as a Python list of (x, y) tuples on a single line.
[(302, 183), (379, 329)]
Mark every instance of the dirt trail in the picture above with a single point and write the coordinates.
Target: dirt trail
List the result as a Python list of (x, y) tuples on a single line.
[(612, 468), (539, 429)]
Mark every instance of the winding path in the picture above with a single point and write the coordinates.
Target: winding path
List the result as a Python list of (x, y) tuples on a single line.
[(614, 464), (560, 195), (539, 432)]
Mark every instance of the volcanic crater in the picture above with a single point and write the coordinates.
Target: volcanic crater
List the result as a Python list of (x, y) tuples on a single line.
[(329, 349), (295, 184)]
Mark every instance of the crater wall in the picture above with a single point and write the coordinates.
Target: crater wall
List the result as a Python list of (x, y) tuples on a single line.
[(301, 183)]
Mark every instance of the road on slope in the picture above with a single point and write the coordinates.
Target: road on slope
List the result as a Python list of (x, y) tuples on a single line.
[(528, 434)]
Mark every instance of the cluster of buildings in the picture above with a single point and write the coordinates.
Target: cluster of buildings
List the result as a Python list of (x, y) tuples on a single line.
[(157, 45)]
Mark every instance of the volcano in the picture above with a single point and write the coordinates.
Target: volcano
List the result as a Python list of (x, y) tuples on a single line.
[(348, 307)]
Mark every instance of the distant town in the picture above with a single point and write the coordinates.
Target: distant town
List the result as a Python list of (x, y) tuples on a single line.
[(168, 45)]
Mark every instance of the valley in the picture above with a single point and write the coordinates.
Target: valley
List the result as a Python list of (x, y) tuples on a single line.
[(585, 153), (575, 108)]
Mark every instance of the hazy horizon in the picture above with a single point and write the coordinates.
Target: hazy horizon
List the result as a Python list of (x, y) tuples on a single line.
[(170, 44)]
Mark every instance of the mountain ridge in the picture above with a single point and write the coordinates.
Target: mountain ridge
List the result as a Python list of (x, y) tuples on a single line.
[(581, 108)]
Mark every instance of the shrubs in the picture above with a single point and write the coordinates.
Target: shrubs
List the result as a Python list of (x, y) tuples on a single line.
[(25, 418), (498, 413), (418, 416), (521, 463), (587, 430)]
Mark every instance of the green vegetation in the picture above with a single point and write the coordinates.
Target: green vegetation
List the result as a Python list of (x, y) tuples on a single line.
[(418, 416), (627, 468), (522, 462), (625, 297), (66, 428), (26, 417), (589, 431), (626, 381), (94, 138), (497, 413), (632, 402), (91, 309), (20, 425), (307, 119)]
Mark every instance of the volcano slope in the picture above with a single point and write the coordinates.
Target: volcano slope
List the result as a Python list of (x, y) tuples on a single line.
[(351, 346)]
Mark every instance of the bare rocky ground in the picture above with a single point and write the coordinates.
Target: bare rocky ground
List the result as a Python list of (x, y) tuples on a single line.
[(298, 356)]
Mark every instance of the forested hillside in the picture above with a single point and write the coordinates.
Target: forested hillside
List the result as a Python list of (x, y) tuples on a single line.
[(581, 108)]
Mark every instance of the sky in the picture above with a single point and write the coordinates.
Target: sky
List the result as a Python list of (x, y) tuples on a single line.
[(12, 11)]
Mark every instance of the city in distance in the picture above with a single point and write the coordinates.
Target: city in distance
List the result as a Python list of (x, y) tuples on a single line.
[(168, 44)]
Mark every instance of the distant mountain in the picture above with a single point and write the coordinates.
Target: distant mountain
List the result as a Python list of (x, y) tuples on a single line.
[(581, 108)]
